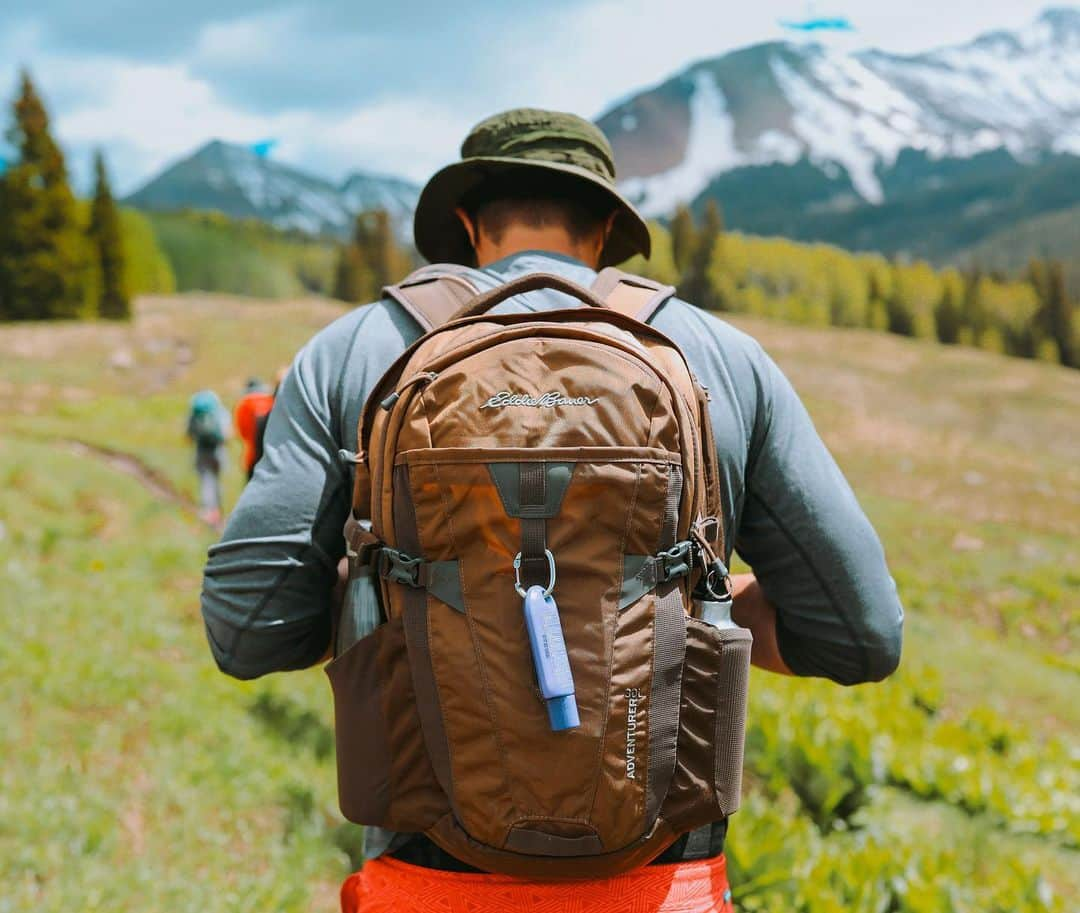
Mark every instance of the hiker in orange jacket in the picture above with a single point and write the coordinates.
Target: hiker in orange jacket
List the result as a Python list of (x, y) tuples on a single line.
[(250, 413), (535, 193)]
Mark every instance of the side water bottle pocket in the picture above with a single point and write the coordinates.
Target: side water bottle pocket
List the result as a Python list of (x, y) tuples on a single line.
[(384, 775), (712, 723)]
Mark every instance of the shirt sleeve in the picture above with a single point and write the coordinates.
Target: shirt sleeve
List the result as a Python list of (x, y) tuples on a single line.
[(812, 548), (267, 585)]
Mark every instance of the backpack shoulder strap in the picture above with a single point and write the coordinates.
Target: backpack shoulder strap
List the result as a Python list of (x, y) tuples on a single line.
[(632, 295), (433, 294)]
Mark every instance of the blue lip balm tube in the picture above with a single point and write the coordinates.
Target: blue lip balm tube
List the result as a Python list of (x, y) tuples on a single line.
[(550, 659)]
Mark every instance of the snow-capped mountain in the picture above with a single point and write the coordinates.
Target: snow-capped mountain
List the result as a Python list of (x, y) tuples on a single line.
[(240, 183), (850, 115)]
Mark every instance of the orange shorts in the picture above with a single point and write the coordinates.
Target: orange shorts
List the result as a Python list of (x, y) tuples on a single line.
[(389, 886)]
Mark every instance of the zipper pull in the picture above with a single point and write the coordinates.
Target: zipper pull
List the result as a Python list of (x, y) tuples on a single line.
[(424, 378)]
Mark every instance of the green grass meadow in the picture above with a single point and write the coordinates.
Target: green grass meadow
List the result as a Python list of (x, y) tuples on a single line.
[(136, 777)]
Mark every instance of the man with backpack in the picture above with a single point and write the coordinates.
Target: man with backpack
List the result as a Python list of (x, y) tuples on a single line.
[(545, 469), (208, 428)]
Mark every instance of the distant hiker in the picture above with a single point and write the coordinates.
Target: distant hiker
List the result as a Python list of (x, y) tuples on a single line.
[(549, 502), (208, 428), (250, 417)]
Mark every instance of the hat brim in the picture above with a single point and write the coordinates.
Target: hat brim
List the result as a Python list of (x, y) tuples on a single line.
[(440, 237)]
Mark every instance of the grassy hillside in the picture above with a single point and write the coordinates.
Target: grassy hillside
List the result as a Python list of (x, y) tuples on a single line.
[(211, 252), (138, 778), (148, 269)]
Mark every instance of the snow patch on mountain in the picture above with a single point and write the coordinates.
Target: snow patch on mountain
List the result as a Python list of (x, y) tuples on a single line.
[(859, 111), (236, 181), (709, 149)]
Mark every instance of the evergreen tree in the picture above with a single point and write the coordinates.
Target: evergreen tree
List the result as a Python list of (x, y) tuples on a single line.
[(683, 238), (1056, 309), (698, 286), (45, 267), (388, 262), (947, 314), (107, 241), (353, 277), (974, 309), (371, 260)]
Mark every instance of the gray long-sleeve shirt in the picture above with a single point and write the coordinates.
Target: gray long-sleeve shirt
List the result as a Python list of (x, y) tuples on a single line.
[(787, 508)]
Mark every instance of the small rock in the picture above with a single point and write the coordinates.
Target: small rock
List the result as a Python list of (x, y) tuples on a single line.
[(1033, 552), (965, 543), (185, 354), (122, 359), (971, 477)]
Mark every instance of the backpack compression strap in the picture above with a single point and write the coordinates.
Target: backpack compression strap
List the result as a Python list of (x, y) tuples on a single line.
[(433, 294), (631, 295)]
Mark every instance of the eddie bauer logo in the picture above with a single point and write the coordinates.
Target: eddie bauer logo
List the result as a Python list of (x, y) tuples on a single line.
[(544, 401), (633, 697)]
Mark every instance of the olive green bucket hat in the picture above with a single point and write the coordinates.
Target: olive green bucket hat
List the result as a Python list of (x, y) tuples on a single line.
[(531, 139)]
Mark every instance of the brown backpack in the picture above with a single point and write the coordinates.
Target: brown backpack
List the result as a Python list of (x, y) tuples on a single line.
[(571, 450)]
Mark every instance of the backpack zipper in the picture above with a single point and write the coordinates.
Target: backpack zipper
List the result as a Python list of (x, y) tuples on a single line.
[(424, 378)]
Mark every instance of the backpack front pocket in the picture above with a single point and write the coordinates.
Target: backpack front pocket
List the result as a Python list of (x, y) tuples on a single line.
[(384, 775)]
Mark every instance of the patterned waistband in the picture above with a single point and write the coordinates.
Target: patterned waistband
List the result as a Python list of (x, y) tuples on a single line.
[(387, 884)]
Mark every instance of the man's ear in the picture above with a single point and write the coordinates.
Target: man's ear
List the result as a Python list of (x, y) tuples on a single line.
[(609, 225), (467, 223)]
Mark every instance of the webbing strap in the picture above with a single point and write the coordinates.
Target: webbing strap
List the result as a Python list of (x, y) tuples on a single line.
[(669, 653), (442, 579), (642, 573), (698, 843), (634, 296), (431, 296), (418, 646), (532, 490)]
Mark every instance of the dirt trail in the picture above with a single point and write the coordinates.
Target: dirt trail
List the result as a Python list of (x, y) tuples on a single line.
[(151, 479)]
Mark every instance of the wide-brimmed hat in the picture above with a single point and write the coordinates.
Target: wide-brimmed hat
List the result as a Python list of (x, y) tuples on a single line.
[(524, 138)]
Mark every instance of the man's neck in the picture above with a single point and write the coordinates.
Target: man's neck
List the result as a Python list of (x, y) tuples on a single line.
[(518, 238)]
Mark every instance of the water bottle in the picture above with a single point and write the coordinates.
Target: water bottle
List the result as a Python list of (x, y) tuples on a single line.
[(717, 613), (361, 610)]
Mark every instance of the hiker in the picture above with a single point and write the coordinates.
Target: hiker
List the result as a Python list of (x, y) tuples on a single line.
[(208, 428), (249, 417), (530, 453)]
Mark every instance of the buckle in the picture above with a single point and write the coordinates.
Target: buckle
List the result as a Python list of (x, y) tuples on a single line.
[(674, 562), (399, 567)]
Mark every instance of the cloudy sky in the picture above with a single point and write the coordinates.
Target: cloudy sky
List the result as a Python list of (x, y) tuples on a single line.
[(392, 85)]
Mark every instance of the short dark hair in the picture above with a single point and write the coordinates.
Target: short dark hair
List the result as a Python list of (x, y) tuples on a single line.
[(539, 199)]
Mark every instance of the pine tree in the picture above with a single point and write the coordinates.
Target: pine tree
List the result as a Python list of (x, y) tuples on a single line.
[(388, 261), (371, 260), (947, 314), (698, 286), (1056, 309), (45, 265), (974, 319), (683, 238), (106, 238), (353, 277)]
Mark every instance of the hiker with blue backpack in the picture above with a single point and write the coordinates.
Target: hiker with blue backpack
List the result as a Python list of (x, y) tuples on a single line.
[(542, 467), (208, 429)]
